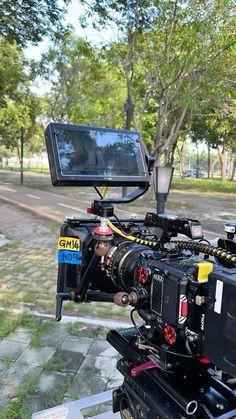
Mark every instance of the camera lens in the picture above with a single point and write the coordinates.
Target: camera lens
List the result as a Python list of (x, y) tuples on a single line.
[(121, 262)]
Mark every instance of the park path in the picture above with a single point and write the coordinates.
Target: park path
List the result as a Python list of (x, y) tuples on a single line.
[(51, 206), (213, 210)]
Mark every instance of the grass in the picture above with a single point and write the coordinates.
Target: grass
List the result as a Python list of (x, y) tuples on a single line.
[(36, 180), (89, 373), (74, 328), (55, 398), (81, 329), (55, 365), (37, 327), (18, 408), (204, 185), (8, 323), (16, 168), (95, 309)]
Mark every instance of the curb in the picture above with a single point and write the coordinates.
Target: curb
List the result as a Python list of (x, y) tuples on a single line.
[(30, 209), (54, 218)]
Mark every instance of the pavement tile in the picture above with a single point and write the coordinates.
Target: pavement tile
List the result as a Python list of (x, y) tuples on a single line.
[(52, 382), (77, 344), (69, 361), (56, 336), (4, 367), (107, 367), (10, 350), (82, 387), (7, 393), (20, 335), (101, 366), (89, 331), (34, 403), (102, 348), (17, 374), (36, 356), (103, 333)]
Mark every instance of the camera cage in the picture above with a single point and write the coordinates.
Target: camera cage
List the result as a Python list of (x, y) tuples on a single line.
[(84, 232)]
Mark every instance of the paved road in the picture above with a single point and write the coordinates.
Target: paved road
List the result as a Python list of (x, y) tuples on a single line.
[(56, 207), (52, 206)]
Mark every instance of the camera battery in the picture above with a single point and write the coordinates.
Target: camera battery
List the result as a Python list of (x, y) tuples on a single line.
[(219, 343)]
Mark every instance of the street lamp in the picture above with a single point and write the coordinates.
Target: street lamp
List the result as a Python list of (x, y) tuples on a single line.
[(162, 180), (22, 132)]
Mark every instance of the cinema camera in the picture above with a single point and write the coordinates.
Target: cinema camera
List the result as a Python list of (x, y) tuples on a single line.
[(180, 360)]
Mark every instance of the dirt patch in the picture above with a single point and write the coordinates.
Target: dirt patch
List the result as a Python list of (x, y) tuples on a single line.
[(212, 210)]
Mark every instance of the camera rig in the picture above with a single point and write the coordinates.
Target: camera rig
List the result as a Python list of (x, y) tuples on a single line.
[(181, 360)]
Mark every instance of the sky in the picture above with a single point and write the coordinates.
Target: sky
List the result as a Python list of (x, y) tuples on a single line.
[(74, 10)]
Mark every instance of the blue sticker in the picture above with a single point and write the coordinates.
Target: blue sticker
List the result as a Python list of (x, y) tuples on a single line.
[(68, 256)]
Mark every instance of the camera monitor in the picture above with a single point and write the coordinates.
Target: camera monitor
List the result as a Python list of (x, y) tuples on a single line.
[(83, 156)]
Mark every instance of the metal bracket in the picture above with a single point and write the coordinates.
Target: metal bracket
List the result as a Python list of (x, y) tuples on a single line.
[(72, 410)]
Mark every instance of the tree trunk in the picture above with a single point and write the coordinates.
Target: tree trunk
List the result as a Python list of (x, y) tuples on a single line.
[(208, 161), (233, 170), (212, 168), (164, 143), (221, 154), (180, 149), (197, 161), (18, 152)]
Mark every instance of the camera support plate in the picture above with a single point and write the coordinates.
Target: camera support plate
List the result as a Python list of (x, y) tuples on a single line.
[(73, 409)]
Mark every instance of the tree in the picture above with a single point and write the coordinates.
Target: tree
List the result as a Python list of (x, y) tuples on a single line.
[(30, 20), (12, 75), (175, 56), (217, 129), (84, 88), (22, 113)]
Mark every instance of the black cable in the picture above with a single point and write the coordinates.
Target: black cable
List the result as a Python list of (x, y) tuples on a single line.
[(158, 348), (135, 325), (119, 223), (98, 192), (204, 240)]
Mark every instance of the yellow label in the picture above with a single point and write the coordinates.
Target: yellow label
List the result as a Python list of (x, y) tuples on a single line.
[(68, 243), (204, 269)]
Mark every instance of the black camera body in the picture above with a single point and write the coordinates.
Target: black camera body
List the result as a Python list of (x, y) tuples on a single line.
[(186, 302), (181, 360)]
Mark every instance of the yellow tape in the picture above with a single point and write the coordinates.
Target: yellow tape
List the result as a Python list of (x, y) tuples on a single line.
[(204, 269), (104, 191), (68, 243)]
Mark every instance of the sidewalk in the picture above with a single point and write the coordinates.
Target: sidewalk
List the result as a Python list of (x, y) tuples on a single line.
[(63, 368), (43, 363)]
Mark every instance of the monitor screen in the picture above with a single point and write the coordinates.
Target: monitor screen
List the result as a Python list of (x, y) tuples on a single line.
[(83, 155)]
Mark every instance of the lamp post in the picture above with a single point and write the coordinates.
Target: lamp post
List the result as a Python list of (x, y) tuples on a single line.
[(162, 181), (22, 131), (129, 111)]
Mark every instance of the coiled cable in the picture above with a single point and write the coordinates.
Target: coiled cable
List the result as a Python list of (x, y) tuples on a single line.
[(181, 245), (209, 250), (150, 243)]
